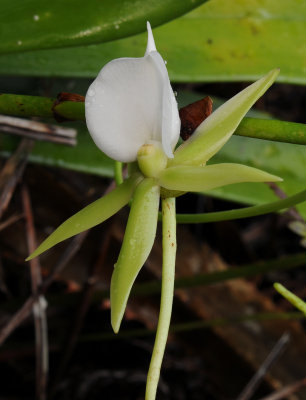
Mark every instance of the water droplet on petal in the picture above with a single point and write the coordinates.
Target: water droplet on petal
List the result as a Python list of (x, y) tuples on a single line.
[(91, 92)]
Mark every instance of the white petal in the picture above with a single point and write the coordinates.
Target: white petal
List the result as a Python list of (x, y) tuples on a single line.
[(151, 43), (122, 107), (130, 103), (171, 123)]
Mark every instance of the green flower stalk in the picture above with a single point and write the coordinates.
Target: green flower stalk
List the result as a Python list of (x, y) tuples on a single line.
[(132, 116)]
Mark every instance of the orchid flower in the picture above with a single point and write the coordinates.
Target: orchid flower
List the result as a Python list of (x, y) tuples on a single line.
[(131, 103), (132, 116)]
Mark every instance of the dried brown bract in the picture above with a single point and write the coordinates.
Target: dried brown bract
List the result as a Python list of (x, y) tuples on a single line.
[(193, 115)]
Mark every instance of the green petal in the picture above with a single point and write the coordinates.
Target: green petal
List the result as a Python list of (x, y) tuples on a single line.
[(92, 215), (215, 131), (197, 179), (138, 241)]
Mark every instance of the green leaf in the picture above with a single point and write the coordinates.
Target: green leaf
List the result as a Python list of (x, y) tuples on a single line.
[(215, 131), (92, 215), (41, 24), (197, 179), (137, 243), (220, 41)]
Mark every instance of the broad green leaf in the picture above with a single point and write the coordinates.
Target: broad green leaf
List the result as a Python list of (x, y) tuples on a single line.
[(197, 179), (92, 215), (220, 41), (137, 243), (215, 131), (42, 24)]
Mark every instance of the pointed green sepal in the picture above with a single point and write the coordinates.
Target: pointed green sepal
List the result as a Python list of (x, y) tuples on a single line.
[(215, 131), (137, 243), (198, 179), (92, 215)]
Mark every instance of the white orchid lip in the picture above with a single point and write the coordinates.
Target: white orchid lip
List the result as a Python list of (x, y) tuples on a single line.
[(131, 103)]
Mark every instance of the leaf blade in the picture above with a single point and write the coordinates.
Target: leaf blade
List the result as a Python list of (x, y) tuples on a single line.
[(34, 24), (259, 37)]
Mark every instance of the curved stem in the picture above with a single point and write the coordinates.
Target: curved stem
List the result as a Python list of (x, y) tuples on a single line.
[(244, 212), (168, 274)]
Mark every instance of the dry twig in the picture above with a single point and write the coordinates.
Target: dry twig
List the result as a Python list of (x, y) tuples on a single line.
[(275, 353), (37, 130), (10, 221), (11, 173), (17, 319), (292, 211), (39, 306), (286, 391)]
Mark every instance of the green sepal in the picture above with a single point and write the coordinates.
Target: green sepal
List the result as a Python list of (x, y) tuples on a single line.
[(215, 131), (137, 243), (92, 215), (197, 179)]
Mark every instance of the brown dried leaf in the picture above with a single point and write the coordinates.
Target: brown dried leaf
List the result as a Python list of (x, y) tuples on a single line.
[(193, 115)]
